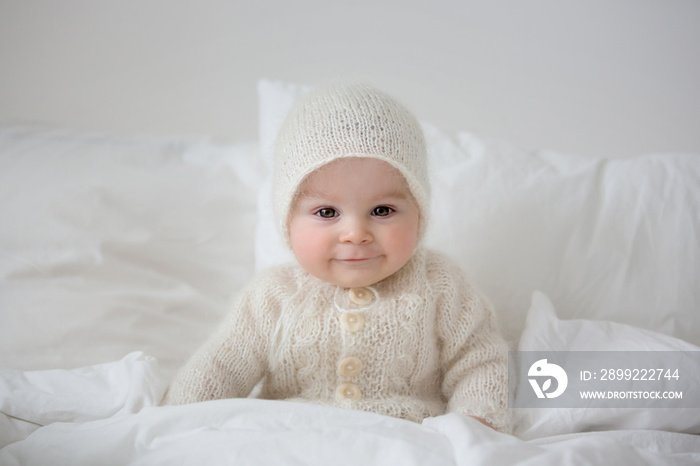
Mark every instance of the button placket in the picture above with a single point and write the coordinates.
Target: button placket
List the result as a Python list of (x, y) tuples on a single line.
[(352, 304)]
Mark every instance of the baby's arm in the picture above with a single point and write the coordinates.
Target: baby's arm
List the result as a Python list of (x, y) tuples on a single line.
[(232, 360), (474, 356)]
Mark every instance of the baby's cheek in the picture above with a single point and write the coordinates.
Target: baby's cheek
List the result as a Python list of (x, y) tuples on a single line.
[(306, 243), (407, 236)]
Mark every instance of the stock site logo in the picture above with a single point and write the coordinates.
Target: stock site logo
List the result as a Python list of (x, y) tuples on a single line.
[(547, 371)]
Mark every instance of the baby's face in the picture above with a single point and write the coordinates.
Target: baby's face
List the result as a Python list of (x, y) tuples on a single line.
[(354, 222)]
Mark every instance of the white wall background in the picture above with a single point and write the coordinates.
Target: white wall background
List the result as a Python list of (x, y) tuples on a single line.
[(593, 77)]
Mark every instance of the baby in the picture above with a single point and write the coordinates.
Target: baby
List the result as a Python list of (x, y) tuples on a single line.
[(368, 318)]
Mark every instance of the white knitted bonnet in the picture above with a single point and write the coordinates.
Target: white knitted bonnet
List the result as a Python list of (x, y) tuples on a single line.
[(348, 120)]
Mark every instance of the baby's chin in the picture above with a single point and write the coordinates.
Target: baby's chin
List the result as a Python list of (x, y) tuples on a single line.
[(357, 278), (345, 282)]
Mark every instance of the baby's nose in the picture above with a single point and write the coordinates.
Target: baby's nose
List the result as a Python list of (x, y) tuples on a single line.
[(356, 232)]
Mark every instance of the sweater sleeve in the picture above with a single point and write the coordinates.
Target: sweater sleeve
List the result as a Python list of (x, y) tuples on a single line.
[(234, 359), (474, 355)]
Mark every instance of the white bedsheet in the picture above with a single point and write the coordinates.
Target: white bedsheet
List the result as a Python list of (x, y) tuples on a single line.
[(107, 414)]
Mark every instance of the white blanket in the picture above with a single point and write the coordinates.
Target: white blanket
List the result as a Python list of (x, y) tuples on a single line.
[(108, 414)]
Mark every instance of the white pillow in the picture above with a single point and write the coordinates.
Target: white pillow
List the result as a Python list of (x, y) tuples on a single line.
[(607, 239), (545, 332), (114, 244)]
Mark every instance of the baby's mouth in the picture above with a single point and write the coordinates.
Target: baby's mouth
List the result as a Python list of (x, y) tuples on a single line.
[(357, 259)]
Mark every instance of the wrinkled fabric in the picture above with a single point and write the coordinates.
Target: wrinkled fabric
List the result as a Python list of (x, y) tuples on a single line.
[(132, 430)]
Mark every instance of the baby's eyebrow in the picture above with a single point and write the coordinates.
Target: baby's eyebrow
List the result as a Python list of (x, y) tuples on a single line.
[(403, 195), (311, 195)]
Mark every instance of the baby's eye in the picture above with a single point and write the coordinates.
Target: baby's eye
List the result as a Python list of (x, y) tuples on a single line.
[(382, 211), (326, 212)]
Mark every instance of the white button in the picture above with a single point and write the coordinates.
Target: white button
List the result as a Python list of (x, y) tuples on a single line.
[(349, 366), (352, 322), (361, 296), (348, 391)]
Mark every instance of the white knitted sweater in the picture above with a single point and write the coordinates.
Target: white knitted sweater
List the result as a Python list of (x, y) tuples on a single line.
[(425, 345)]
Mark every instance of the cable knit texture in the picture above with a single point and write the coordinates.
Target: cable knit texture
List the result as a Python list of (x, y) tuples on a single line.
[(423, 345), (348, 120)]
